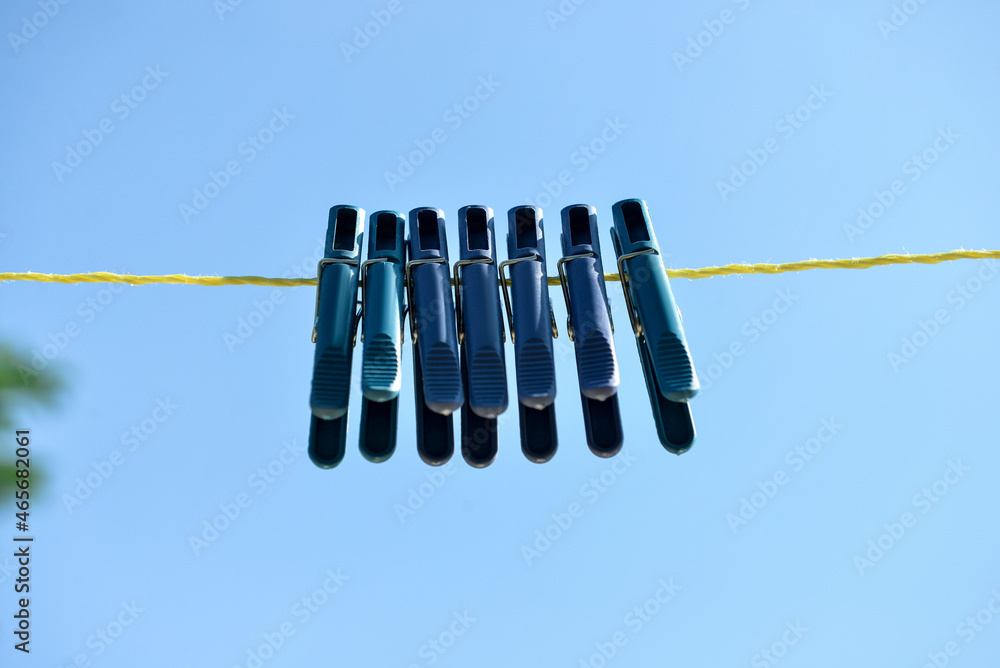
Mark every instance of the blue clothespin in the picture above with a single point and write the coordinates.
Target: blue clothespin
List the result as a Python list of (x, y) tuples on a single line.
[(437, 374), (480, 334), (532, 327), (590, 327), (671, 380), (334, 334), (382, 333)]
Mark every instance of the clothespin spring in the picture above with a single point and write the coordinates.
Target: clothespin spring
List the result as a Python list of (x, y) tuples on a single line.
[(458, 299), (564, 281), (319, 285), (636, 325), (506, 296), (409, 291)]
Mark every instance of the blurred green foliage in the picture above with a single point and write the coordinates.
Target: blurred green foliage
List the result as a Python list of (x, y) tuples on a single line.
[(20, 386)]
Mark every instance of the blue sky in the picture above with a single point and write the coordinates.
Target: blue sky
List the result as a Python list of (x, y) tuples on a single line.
[(260, 118)]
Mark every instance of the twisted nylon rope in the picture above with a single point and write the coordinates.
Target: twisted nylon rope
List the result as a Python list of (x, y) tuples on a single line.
[(705, 272)]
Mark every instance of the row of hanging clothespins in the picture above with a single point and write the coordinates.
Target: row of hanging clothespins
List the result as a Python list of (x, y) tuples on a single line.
[(459, 339)]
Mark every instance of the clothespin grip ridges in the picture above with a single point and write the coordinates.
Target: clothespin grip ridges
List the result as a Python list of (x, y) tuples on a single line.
[(334, 332), (666, 361), (590, 327), (436, 367), (481, 335), (532, 328), (382, 334)]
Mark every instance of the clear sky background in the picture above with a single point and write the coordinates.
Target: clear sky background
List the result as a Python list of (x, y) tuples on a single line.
[(798, 579)]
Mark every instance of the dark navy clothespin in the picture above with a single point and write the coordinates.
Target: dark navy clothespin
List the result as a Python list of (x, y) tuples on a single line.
[(671, 380), (480, 333), (382, 333), (590, 327), (532, 327), (334, 334), (437, 374)]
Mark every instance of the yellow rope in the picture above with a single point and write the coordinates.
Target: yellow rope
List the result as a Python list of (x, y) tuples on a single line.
[(705, 272)]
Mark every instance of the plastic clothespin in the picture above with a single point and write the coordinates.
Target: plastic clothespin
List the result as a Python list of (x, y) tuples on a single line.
[(590, 327), (671, 380), (334, 334), (382, 334), (437, 374), (480, 334), (532, 327)]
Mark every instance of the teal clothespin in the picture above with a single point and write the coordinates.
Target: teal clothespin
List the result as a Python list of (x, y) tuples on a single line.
[(334, 334), (382, 333), (670, 375)]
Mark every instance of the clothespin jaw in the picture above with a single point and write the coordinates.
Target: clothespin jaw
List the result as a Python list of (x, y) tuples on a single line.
[(670, 375), (480, 334), (381, 285), (532, 326), (436, 367), (334, 333), (590, 327)]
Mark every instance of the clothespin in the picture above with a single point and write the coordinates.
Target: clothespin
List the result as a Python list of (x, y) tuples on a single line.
[(334, 334), (532, 327), (671, 380), (480, 334), (590, 327), (382, 333), (437, 374)]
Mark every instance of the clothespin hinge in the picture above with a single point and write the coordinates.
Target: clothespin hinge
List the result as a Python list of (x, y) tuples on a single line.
[(506, 296), (409, 291), (565, 288), (636, 325), (361, 282), (319, 284), (458, 299)]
